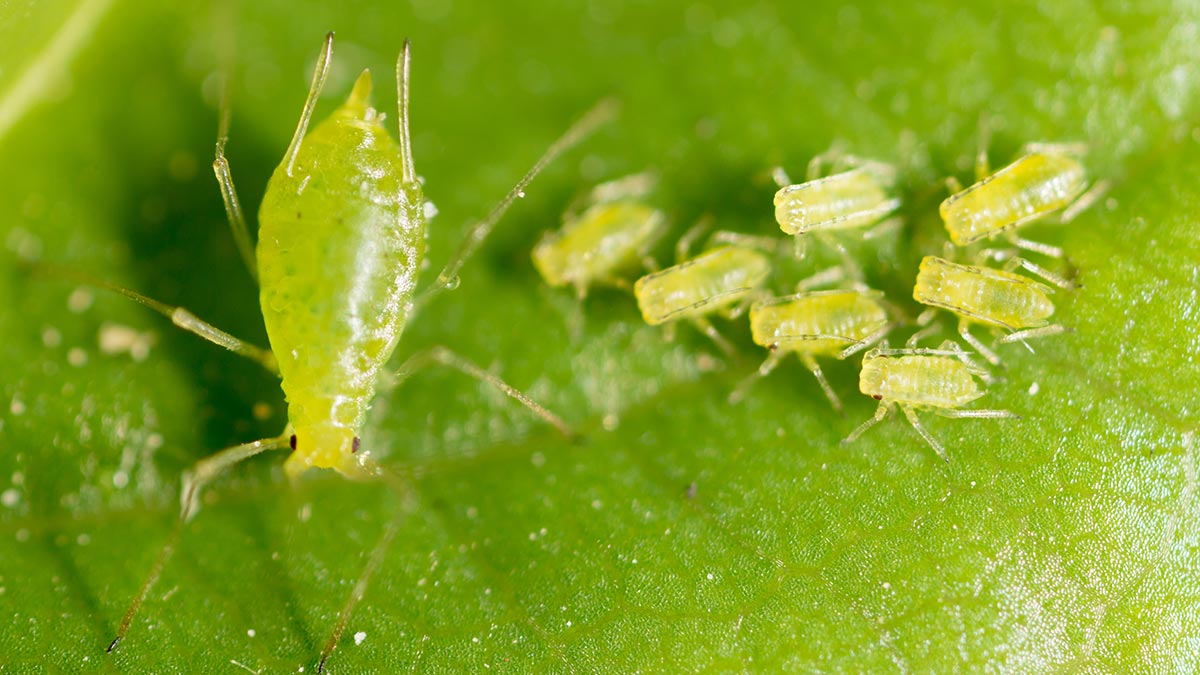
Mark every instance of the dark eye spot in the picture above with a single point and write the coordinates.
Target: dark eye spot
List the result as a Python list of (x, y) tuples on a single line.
[(877, 398), (292, 441), (354, 446)]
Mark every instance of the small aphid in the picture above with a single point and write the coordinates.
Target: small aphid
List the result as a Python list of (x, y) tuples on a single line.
[(981, 295), (722, 279), (612, 235), (941, 380), (1046, 179), (823, 323), (858, 195), (343, 225)]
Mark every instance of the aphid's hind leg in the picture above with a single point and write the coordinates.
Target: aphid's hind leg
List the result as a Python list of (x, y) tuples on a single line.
[(866, 341), (977, 414), (1069, 149), (780, 177), (768, 244), (233, 205), (953, 186), (983, 167), (1035, 246), (773, 360), (853, 271), (193, 482), (815, 368), (705, 326), (1018, 262), (916, 424), (884, 409), (1031, 333), (1085, 201), (964, 330), (884, 228), (604, 111), (830, 275), (181, 317), (443, 356)]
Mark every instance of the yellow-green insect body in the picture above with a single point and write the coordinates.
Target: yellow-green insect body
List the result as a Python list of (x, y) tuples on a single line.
[(611, 236), (1037, 184), (843, 201), (342, 234), (823, 323), (982, 295), (941, 380), (709, 282)]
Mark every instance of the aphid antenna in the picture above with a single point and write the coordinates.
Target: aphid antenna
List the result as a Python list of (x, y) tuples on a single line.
[(683, 247), (403, 68), (320, 73), (600, 114), (233, 206)]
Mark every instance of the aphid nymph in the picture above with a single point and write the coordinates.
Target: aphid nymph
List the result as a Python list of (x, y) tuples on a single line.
[(835, 324), (722, 279), (342, 230), (981, 295), (912, 379), (613, 234)]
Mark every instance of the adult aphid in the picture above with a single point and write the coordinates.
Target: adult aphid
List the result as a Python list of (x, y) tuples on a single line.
[(342, 231), (834, 324), (982, 295), (612, 235), (912, 379)]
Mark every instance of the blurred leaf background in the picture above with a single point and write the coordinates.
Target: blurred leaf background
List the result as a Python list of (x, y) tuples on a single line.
[(683, 534)]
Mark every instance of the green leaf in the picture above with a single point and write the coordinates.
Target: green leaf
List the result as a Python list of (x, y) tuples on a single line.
[(682, 534)]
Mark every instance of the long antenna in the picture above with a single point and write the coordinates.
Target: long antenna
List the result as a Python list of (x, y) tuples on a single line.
[(603, 112), (314, 92), (402, 71)]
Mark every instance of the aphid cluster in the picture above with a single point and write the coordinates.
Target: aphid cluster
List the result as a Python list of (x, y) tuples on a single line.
[(855, 198)]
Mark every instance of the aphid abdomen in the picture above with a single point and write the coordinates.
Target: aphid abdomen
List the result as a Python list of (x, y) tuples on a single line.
[(604, 240), (982, 294), (1034, 185), (842, 201), (715, 279), (920, 380), (340, 243), (823, 323)]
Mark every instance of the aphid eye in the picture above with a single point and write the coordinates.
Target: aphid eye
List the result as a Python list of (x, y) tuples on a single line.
[(354, 446), (292, 441), (877, 398)]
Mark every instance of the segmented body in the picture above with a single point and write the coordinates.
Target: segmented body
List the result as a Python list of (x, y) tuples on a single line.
[(340, 243), (983, 295), (819, 323), (1031, 187), (918, 380), (711, 281), (847, 200), (593, 247)]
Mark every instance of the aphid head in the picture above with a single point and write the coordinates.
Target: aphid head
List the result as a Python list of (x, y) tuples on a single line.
[(328, 446)]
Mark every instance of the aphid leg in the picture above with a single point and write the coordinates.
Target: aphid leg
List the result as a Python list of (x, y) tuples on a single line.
[(911, 414), (744, 304), (703, 325), (233, 205), (884, 409), (883, 229), (194, 480), (443, 356), (1030, 333), (1035, 246), (780, 177), (373, 563), (1085, 201), (951, 348), (853, 271), (866, 342), (983, 168), (800, 246), (768, 244), (924, 319), (403, 68), (1050, 277), (773, 360), (683, 247), (977, 414), (629, 187), (964, 330), (831, 275), (1068, 149), (603, 112), (815, 368), (314, 92), (179, 316), (953, 185)]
